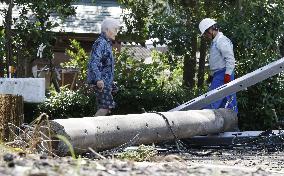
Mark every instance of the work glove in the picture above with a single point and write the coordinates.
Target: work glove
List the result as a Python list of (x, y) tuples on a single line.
[(209, 79), (227, 78)]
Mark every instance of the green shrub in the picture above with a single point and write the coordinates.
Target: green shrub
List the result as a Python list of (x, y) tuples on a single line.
[(155, 73), (138, 101), (149, 85), (68, 103), (79, 59), (256, 104)]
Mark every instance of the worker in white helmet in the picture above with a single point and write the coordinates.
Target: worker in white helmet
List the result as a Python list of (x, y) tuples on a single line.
[(221, 62)]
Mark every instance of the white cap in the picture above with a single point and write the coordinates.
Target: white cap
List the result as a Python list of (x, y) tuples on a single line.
[(205, 24)]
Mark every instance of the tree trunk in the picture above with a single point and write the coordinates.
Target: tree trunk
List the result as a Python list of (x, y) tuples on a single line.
[(190, 60), (203, 48), (28, 68), (187, 71), (8, 36), (11, 111), (20, 65), (201, 66), (190, 65)]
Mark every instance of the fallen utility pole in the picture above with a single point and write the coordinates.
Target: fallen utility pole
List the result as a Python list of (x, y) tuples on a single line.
[(234, 86), (235, 138), (107, 132)]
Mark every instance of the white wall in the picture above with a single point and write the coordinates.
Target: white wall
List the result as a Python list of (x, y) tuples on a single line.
[(32, 89)]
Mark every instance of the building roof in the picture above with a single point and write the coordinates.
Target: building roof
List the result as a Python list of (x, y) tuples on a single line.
[(137, 51), (140, 52), (88, 16)]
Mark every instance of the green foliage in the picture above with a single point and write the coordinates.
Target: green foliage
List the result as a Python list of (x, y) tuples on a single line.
[(79, 59), (167, 21), (137, 101), (256, 30), (155, 73), (136, 19), (174, 23), (68, 103), (152, 84), (142, 153), (31, 33), (28, 38), (256, 104), (43, 9)]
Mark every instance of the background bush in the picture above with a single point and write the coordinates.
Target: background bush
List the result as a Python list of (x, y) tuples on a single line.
[(69, 104)]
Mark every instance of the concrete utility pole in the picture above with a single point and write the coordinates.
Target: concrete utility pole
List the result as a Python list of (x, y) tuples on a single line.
[(106, 132)]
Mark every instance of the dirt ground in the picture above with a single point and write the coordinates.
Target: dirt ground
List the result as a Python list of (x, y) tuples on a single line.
[(217, 163)]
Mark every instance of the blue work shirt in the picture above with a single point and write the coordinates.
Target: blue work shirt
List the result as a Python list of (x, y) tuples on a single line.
[(101, 63), (221, 54)]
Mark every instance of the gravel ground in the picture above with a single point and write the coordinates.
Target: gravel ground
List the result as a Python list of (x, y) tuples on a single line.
[(221, 162)]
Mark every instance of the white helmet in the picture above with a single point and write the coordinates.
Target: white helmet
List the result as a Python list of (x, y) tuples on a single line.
[(205, 24)]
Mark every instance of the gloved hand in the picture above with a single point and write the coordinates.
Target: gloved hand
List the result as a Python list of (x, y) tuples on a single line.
[(209, 79), (227, 78)]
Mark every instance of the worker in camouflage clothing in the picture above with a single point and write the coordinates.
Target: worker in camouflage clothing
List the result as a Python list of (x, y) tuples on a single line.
[(101, 67)]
